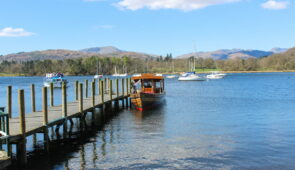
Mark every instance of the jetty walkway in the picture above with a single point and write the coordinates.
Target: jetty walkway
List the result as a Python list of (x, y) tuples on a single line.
[(104, 94)]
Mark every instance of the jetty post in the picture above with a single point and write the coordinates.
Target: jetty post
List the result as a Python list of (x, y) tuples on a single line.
[(93, 93), (127, 91), (86, 88), (9, 101), (117, 94), (81, 98), (51, 95), (64, 108), (45, 118), (123, 105), (77, 90), (33, 102), (21, 146)]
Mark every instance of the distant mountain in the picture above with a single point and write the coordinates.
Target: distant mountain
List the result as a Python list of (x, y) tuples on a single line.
[(61, 54), (229, 54), (103, 50), (278, 50)]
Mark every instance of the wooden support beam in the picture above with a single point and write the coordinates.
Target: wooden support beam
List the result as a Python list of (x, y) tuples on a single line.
[(127, 86), (44, 106), (98, 86), (64, 100), (102, 91), (21, 147), (9, 101), (117, 87), (51, 95), (111, 89), (33, 101), (81, 97), (77, 90), (93, 93), (122, 87), (86, 88)]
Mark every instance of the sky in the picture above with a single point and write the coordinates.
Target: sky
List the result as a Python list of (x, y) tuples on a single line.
[(150, 26)]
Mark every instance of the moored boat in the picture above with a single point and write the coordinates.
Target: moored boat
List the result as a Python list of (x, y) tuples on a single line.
[(55, 78), (191, 76), (97, 76), (148, 91), (215, 75)]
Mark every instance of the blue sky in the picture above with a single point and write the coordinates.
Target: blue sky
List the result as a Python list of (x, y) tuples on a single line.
[(151, 26)]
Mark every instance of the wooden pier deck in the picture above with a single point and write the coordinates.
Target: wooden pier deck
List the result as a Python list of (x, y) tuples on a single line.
[(27, 124)]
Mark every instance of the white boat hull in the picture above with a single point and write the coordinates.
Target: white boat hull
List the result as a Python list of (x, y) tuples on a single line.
[(215, 76), (191, 78), (98, 76)]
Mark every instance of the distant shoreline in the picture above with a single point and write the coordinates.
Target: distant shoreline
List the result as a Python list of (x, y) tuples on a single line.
[(200, 72)]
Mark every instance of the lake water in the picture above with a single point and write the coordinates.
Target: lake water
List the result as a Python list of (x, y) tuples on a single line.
[(244, 121)]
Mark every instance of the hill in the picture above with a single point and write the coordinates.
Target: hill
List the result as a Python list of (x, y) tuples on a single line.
[(103, 50), (61, 54), (229, 54)]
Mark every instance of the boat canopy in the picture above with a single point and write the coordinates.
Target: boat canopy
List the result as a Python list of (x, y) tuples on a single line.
[(148, 77)]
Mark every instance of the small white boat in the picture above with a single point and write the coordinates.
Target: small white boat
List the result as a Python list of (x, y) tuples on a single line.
[(191, 76), (215, 75), (56, 78), (97, 76), (120, 75), (136, 75), (171, 76)]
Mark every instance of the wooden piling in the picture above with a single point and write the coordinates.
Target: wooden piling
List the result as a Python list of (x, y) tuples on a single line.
[(44, 106), (98, 86), (64, 100), (21, 147), (117, 87), (33, 101), (9, 101), (51, 95), (77, 90), (123, 92), (111, 89), (127, 86), (86, 88), (105, 83), (102, 91), (81, 97), (122, 87), (93, 93)]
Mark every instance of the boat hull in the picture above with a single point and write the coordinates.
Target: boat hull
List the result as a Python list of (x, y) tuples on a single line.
[(146, 101), (191, 79)]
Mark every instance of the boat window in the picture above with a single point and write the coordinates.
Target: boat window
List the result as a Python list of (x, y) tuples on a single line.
[(147, 84), (158, 84)]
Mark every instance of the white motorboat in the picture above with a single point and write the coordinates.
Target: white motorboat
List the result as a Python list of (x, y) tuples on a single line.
[(171, 76), (190, 76), (215, 75), (120, 75), (55, 78), (97, 76)]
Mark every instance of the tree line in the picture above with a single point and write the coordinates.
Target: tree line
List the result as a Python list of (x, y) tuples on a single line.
[(106, 65)]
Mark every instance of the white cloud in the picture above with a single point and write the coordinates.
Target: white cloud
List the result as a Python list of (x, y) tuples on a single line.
[(275, 5), (14, 32), (185, 5)]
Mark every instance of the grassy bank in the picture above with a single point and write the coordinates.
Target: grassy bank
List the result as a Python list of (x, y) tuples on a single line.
[(10, 75)]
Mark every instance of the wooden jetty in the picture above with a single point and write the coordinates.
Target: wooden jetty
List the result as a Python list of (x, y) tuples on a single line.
[(17, 129)]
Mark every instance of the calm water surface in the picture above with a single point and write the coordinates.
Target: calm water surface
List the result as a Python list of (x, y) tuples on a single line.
[(244, 121)]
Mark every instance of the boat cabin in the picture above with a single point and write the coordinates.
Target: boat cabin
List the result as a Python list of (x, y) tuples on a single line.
[(148, 83)]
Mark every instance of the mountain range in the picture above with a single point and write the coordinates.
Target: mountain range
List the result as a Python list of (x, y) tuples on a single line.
[(110, 51)]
